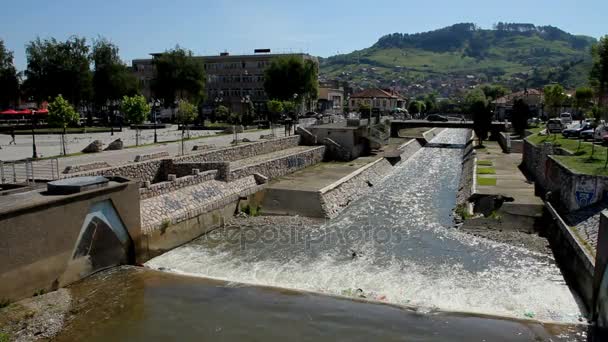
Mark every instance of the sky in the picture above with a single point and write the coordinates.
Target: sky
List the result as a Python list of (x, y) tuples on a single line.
[(321, 28)]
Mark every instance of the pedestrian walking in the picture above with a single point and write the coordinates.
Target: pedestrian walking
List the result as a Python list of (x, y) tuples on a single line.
[(12, 138)]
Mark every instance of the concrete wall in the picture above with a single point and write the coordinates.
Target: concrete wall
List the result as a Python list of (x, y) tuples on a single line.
[(39, 249), (600, 282), (570, 189), (352, 141), (147, 171), (157, 189), (574, 259)]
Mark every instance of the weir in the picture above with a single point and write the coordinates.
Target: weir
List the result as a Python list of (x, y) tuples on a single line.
[(397, 244)]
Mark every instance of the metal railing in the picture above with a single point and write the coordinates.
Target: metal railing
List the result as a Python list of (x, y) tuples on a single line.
[(28, 171)]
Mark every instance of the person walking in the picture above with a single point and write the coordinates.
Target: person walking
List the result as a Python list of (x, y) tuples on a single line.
[(12, 138)]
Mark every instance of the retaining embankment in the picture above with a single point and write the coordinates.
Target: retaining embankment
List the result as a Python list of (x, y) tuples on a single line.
[(466, 186), (430, 134), (570, 190), (574, 258), (337, 196)]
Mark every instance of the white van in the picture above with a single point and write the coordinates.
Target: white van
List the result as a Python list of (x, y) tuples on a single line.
[(566, 118)]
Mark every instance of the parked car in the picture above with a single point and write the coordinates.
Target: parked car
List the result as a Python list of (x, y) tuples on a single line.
[(594, 134), (555, 126), (575, 130), (533, 121), (566, 118), (436, 117)]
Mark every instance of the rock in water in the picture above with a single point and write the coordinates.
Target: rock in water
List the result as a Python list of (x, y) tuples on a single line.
[(115, 145), (94, 147)]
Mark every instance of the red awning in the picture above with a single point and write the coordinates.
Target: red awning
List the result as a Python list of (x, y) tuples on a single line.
[(42, 111), (25, 111), (9, 112)]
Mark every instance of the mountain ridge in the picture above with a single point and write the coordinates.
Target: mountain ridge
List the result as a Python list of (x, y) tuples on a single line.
[(514, 54)]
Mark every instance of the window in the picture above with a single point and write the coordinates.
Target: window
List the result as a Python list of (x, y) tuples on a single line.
[(235, 92), (352, 103), (384, 103), (236, 78)]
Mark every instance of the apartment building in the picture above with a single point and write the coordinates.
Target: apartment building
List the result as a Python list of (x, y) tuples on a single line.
[(231, 80)]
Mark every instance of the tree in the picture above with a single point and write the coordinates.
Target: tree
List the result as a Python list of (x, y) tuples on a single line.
[(179, 75), (55, 68), (416, 107), (430, 103), (186, 114), (291, 75), (136, 110), (275, 107), (493, 92), (583, 98), (477, 104), (62, 114), (9, 78), (519, 116), (554, 98), (222, 113), (599, 72), (111, 77)]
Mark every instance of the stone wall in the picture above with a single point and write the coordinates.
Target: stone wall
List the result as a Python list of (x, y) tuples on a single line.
[(157, 155), (149, 171), (600, 281), (157, 189), (430, 134), (85, 167), (242, 151), (181, 169), (281, 166), (337, 196), (408, 149)]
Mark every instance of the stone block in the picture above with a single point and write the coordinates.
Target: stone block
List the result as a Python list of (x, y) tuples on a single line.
[(94, 147), (115, 145)]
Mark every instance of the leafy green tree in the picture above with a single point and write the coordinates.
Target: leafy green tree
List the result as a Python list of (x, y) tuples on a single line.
[(55, 67), (493, 92), (430, 103), (222, 113), (599, 71), (519, 116), (365, 110), (554, 98), (9, 78), (136, 110), (111, 77), (477, 104), (62, 114), (186, 114), (416, 107), (179, 75), (583, 98), (275, 107), (291, 75)]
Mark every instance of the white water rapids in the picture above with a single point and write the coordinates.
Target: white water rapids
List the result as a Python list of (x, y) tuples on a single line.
[(407, 251)]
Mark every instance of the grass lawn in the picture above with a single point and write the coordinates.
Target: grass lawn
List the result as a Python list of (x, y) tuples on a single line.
[(486, 171), (484, 163), (483, 181), (581, 161)]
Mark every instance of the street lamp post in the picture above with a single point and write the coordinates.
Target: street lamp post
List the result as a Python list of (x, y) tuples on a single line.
[(34, 153), (155, 108), (295, 124)]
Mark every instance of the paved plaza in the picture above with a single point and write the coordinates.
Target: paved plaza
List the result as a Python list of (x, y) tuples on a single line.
[(50, 144)]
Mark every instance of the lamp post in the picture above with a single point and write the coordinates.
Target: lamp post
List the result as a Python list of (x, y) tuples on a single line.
[(34, 154), (155, 108), (369, 118), (296, 107)]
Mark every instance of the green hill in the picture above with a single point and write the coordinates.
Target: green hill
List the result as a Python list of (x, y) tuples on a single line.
[(461, 55)]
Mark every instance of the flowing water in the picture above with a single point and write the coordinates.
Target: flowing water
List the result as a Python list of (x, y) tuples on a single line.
[(397, 244)]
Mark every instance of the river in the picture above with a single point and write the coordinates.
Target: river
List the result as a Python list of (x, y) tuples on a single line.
[(397, 245)]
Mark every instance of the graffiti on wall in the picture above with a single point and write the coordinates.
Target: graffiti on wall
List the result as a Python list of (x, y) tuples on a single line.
[(584, 193)]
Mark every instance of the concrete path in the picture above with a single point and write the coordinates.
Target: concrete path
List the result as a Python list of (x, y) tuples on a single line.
[(47, 146), (510, 181)]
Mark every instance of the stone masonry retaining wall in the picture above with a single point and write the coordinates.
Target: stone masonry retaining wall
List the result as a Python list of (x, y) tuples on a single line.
[(85, 167), (281, 166), (430, 134), (182, 169), (337, 196), (157, 155), (148, 171), (242, 151), (158, 189), (408, 149)]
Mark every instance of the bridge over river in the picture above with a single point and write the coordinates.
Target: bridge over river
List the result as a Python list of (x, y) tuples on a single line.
[(397, 125)]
